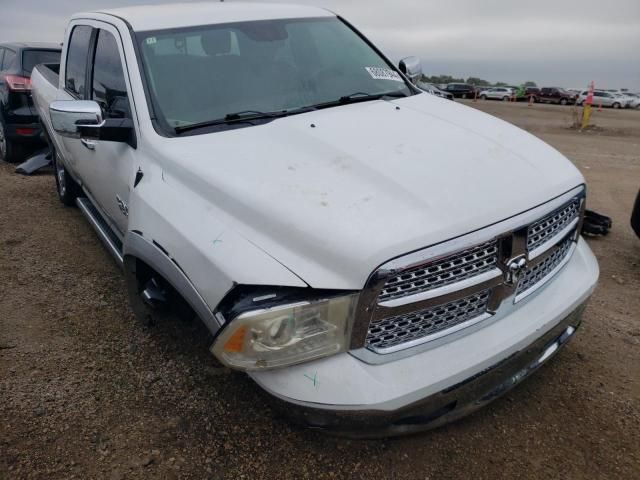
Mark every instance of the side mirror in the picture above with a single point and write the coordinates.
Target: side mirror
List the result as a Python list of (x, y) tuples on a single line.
[(84, 119), (412, 68), (69, 116)]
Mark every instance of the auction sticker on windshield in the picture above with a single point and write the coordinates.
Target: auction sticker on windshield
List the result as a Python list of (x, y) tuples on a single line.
[(381, 73)]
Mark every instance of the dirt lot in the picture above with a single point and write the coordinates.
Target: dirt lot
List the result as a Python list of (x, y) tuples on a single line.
[(85, 392)]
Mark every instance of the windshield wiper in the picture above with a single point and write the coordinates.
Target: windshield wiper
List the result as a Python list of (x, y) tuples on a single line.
[(360, 97), (242, 116), (364, 96)]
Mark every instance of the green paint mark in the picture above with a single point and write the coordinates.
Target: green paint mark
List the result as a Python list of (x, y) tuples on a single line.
[(314, 379), (217, 240)]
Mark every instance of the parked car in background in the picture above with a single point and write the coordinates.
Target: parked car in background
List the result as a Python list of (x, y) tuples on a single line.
[(461, 90), (19, 126), (496, 93), (530, 92), (602, 98), (556, 95), (629, 100), (214, 173), (635, 102), (433, 90)]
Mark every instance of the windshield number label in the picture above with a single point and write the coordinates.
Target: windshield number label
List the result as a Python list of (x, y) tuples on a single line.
[(381, 73)]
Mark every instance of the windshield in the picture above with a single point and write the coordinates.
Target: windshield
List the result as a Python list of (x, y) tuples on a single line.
[(31, 58), (204, 74)]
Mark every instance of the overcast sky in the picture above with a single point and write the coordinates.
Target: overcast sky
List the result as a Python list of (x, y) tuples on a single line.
[(552, 42)]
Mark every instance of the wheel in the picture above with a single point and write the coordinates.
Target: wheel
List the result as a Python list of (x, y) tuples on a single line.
[(152, 299), (483, 97), (9, 151), (563, 101), (464, 95), (505, 98), (67, 188), (616, 105), (580, 103)]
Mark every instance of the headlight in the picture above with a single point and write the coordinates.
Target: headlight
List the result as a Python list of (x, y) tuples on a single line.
[(286, 335)]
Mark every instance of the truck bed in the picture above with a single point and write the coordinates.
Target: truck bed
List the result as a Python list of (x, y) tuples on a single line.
[(44, 89)]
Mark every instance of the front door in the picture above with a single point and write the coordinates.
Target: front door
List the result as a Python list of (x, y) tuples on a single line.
[(109, 167)]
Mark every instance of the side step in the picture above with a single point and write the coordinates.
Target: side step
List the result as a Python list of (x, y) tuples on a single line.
[(113, 244)]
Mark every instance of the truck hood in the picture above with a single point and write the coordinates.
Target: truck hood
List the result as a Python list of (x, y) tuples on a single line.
[(334, 193)]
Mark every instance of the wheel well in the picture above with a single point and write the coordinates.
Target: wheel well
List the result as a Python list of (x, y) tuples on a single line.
[(139, 275)]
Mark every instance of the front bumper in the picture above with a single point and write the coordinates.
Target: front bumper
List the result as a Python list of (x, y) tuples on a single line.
[(344, 395), (445, 406)]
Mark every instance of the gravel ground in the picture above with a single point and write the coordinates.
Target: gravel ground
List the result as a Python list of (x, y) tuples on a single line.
[(86, 392)]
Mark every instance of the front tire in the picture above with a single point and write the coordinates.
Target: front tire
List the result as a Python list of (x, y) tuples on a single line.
[(616, 105), (67, 188), (563, 101), (483, 97), (505, 99)]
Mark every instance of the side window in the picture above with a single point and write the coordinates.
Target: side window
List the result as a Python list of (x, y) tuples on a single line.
[(9, 59), (1, 55), (76, 69), (109, 88)]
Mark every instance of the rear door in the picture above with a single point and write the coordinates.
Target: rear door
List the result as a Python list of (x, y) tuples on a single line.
[(607, 99), (73, 86)]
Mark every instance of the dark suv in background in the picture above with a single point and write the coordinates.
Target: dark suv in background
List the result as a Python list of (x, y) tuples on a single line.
[(461, 90), (19, 126), (556, 95)]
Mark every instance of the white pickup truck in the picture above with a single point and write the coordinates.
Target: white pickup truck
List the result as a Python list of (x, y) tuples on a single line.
[(377, 259)]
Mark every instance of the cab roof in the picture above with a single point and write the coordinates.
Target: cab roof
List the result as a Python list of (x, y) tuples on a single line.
[(179, 15), (31, 45)]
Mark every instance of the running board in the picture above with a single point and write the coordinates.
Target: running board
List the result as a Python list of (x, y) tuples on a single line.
[(113, 244)]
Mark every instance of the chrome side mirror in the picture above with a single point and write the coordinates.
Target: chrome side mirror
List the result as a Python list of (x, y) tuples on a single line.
[(412, 68), (69, 117)]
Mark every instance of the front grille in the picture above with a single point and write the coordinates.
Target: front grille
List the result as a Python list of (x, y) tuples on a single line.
[(535, 274), (392, 331), (392, 324), (545, 229), (451, 269)]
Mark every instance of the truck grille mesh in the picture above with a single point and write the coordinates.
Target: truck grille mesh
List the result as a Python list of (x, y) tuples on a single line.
[(535, 274), (545, 228), (392, 331), (451, 269)]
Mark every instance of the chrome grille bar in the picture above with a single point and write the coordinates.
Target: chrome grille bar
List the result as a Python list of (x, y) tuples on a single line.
[(550, 226), (387, 334), (538, 274), (450, 269)]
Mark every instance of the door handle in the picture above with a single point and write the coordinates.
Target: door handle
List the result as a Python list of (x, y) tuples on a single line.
[(88, 143)]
